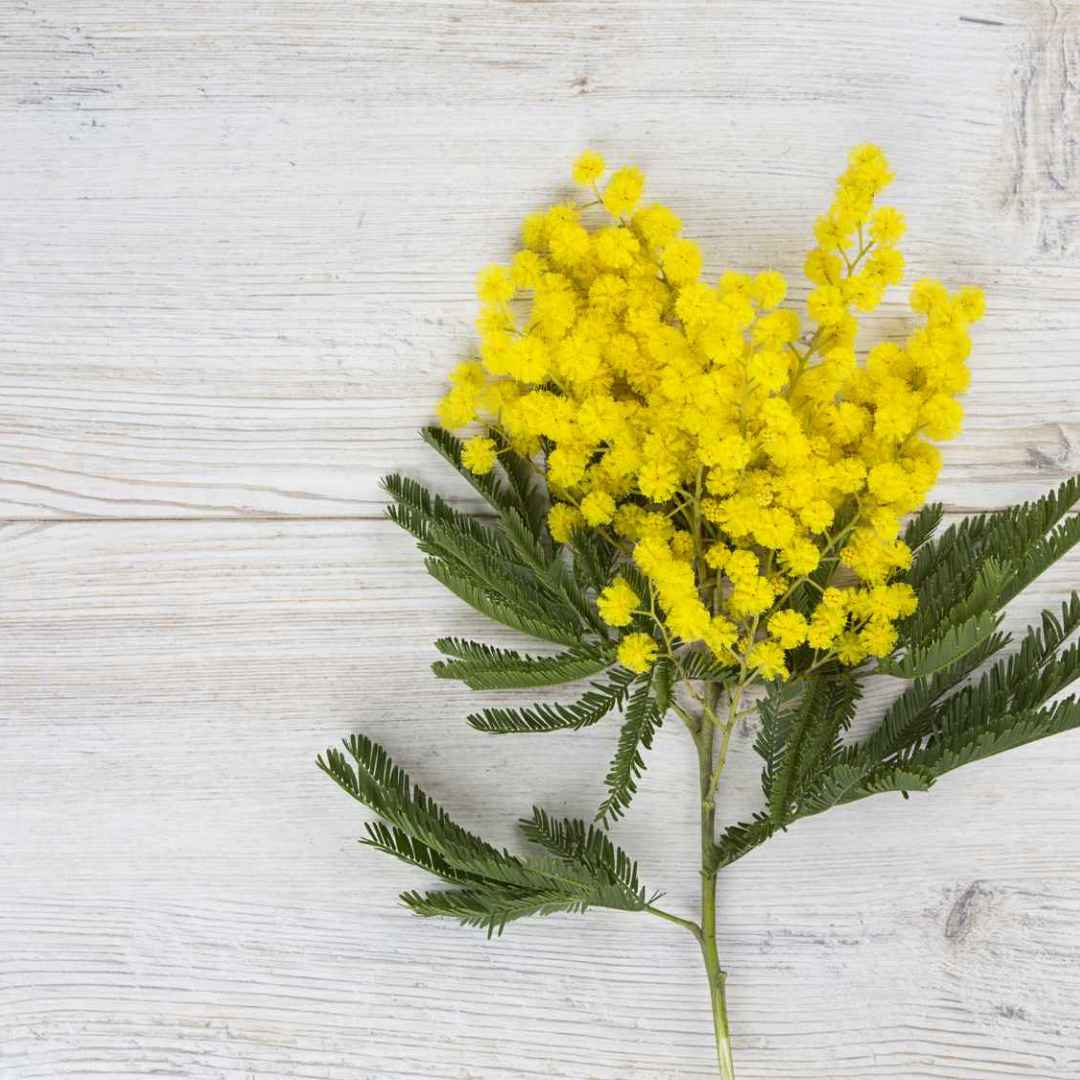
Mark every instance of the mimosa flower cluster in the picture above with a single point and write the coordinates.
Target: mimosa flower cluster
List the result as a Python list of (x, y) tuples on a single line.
[(734, 450)]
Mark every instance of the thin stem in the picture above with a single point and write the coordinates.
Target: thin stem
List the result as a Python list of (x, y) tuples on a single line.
[(735, 699), (686, 718), (706, 742), (686, 924)]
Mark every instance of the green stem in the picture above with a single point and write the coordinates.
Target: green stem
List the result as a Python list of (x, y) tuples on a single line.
[(686, 924), (725, 740), (706, 742)]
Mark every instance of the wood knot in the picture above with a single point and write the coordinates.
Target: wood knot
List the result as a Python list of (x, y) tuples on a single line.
[(964, 912)]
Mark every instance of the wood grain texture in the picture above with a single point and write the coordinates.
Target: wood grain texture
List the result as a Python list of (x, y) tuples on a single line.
[(237, 244)]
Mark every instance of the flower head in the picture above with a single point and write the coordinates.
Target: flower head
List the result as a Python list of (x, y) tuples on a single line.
[(617, 603), (478, 455), (739, 457), (623, 191), (637, 652), (588, 168)]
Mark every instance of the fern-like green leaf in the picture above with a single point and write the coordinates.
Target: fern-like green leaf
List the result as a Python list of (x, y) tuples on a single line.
[(895, 778), (507, 562), (394, 841), (822, 744), (492, 906), (923, 525), (738, 840), (639, 726), (1042, 668), (810, 730), (517, 583), (775, 712), (663, 685), (599, 700), (372, 778), (985, 593), (586, 846), (488, 486), (923, 661), (594, 559), (701, 666), (418, 511), (952, 749), (498, 608), (1018, 527), (910, 718), (491, 887), (529, 492), (486, 667), (1007, 549), (1040, 555), (1018, 683), (516, 511), (489, 909), (845, 783)]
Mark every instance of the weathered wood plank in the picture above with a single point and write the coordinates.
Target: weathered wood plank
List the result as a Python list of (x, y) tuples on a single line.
[(237, 248), (182, 891), (238, 243)]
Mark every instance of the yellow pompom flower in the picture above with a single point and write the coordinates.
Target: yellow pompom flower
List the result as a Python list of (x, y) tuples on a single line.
[(742, 565), (598, 508), (623, 191), (494, 285), (887, 226), (817, 515), (800, 557), (527, 269), (769, 288), (659, 480), (568, 242), (888, 481), (534, 231), (832, 231), (563, 519), (717, 556), (682, 261), (789, 628), (469, 373), (767, 658), (826, 305), (769, 369), (941, 416), (825, 624), (617, 603), (849, 648), (458, 408), (657, 224), (478, 455), (682, 545), (971, 303), (588, 168), (616, 248), (822, 267), (637, 652), (688, 619), (878, 637), (751, 597), (929, 297), (721, 634)]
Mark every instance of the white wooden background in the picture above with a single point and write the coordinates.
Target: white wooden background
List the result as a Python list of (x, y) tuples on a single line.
[(237, 242)]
